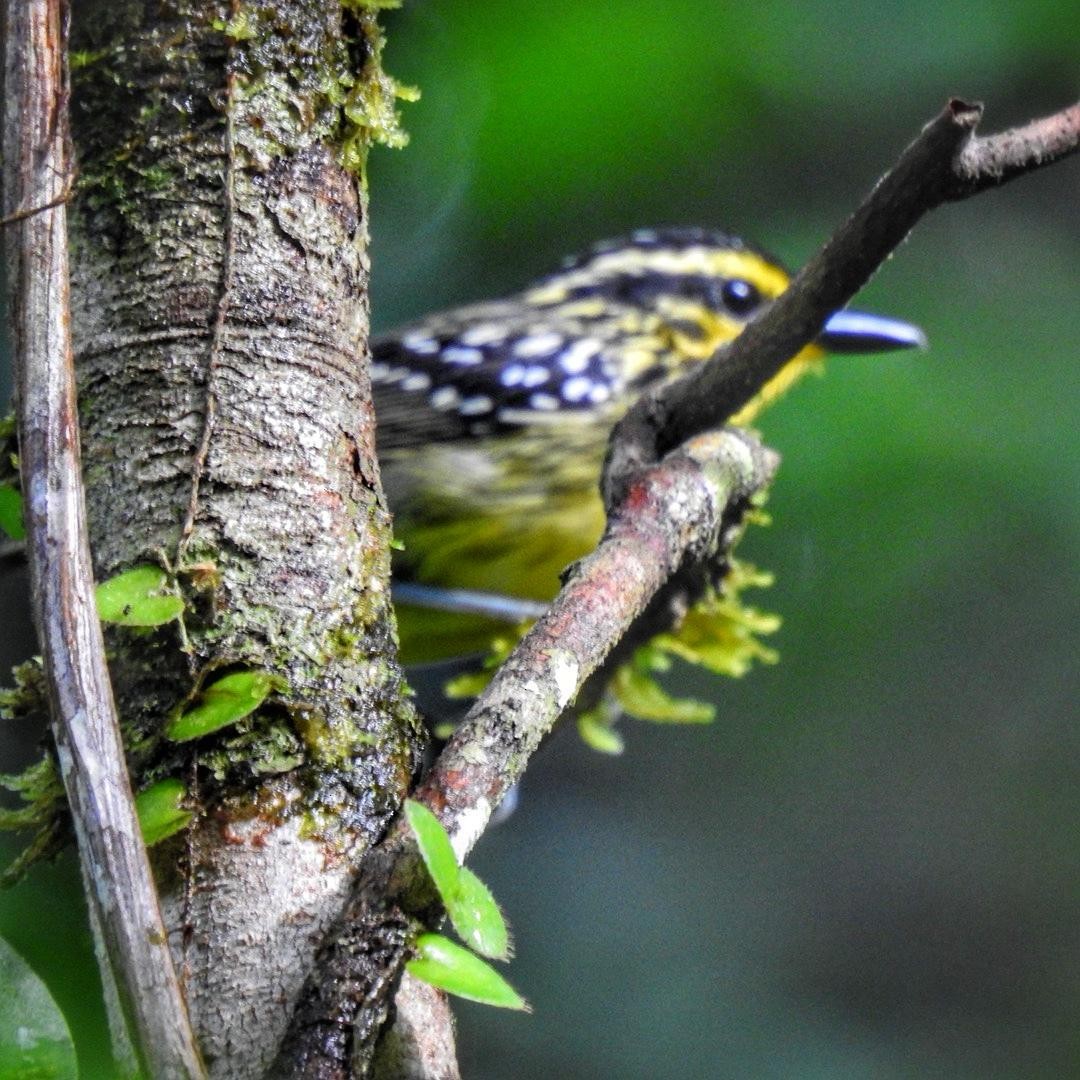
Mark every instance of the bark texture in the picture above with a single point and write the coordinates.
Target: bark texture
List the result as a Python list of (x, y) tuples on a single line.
[(145, 1004), (219, 282)]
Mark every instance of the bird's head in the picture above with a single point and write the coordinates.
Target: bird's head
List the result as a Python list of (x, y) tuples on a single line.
[(701, 287)]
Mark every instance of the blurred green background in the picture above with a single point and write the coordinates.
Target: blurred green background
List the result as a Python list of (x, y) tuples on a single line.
[(870, 864)]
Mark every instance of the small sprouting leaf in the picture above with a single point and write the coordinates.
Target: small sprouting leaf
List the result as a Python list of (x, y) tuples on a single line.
[(467, 685), (34, 1039), (159, 810), (596, 727), (468, 901), (224, 702), (11, 519), (442, 963), (140, 596), (642, 696), (435, 848), (477, 918)]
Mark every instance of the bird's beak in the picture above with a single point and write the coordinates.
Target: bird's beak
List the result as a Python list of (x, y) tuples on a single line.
[(859, 331)]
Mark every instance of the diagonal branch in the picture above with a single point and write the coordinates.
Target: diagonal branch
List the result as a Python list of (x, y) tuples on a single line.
[(683, 512), (945, 163), (123, 904)]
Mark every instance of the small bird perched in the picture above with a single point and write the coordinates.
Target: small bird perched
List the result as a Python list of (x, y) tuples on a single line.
[(492, 419)]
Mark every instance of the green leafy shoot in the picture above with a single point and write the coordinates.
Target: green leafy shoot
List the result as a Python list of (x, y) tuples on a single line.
[(445, 964), (640, 695), (34, 1039), (141, 596), (473, 683), (222, 703), (159, 810), (11, 517), (478, 920), (596, 727), (469, 903), (721, 632), (435, 848)]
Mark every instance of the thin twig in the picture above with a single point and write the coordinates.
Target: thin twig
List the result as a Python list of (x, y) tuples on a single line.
[(136, 959), (217, 340), (30, 211), (992, 160), (674, 514)]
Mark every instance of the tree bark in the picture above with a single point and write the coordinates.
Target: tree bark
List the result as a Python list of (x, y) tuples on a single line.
[(219, 305)]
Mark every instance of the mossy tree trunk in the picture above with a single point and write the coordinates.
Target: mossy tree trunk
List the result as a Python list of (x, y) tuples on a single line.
[(219, 306)]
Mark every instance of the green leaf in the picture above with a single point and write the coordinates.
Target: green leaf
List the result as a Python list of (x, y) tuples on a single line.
[(468, 901), (452, 968), (224, 702), (435, 847), (35, 1043), (596, 727), (11, 517), (477, 918), (642, 696), (140, 596), (160, 812)]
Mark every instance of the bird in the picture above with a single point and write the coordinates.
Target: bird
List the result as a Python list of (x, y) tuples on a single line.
[(492, 419)]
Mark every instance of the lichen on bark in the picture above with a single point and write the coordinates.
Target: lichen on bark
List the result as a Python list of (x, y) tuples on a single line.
[(219, 284)]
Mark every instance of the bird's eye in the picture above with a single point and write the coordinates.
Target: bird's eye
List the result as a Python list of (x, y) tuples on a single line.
[(740, 297)]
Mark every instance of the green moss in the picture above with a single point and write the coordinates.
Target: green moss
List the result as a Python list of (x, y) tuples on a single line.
[(38, 787), (330, 744), (369, 107), (296, 84), (370, 5), (80, 58), (238, 28), (260, 746)]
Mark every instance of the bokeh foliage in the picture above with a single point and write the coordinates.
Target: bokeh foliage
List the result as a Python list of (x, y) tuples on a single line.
[(867, 865)]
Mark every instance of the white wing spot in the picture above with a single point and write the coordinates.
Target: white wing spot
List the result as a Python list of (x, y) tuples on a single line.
[(577, 388), (544, 402), (512, 375), (599, 393), (457, 354), (446, 397), (535, 375), (417, 381), (538, 344), (420, 343), (576, 358), (484, 334), (476, 406)]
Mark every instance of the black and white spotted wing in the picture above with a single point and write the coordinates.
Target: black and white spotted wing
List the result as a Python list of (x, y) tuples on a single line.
[(476, 370)]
